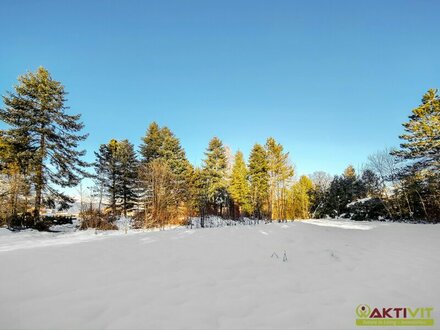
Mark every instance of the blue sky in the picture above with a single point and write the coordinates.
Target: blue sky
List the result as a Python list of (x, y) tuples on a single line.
[(331, 80)]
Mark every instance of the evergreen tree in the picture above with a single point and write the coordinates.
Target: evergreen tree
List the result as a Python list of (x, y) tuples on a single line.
[(280, 173), (420, 177), (36, 113), (371, 183), (166, 176), (299, 202), (214, 170), (422, 137), (319, 194), (127, 188), (116, 167), (199, 194), (161, 143), (108, 169), (259, 180), (152, 143), (344, 190), (239, 184)]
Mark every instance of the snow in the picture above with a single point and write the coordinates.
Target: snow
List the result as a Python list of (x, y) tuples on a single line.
[(359, 201), (345, 223), (218, 278)]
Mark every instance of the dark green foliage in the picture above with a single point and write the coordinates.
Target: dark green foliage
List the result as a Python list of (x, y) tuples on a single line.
[(343, 190), (128, 180), (161, 143), (420, 154), (152, 144), (422, 137), (371, 183), (199, 194), (107, 169), (116, 167), (45, 134), (369, 209)]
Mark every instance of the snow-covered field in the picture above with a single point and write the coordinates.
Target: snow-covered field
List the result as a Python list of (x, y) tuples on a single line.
[(219, 278)]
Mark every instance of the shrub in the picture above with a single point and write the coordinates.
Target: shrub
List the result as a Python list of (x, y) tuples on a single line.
[(58, 219), (98, 220), (41, 225), (27, 220)]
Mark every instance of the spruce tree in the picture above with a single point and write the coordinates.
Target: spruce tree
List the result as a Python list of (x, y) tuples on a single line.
[(116, 167), (239, 185), (343, 190), (214, 170), (128, 173), (37, 114), (199, 194), (107, 170), (259, 180), (151, 147), (161, 143)]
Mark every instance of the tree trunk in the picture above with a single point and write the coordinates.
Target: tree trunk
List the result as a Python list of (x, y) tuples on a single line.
[(39, 181)]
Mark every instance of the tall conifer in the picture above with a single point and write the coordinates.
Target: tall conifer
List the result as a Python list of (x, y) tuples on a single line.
[(259, 180), (37, 114), (239, 185)]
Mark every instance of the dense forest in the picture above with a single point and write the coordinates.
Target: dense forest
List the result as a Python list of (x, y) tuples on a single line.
[(155, 185)]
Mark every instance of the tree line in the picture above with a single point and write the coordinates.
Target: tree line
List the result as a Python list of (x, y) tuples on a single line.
[(156, 185)]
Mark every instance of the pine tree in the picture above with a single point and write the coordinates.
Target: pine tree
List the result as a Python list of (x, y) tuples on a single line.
[(36, 113), (422, 137), (421, 149), (214, 170), (259, 180), (300, 202), (280, 172), (239, 184)]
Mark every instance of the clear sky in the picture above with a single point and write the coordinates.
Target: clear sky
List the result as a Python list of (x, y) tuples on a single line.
[(331, 80)]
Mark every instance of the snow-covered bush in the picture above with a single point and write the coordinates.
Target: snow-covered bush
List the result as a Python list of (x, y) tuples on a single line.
[(366, 209)]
